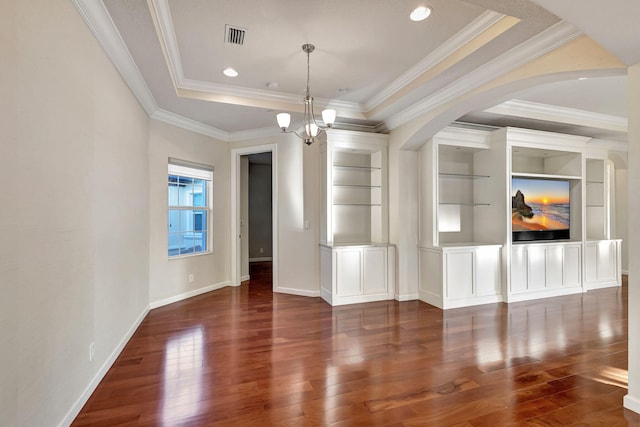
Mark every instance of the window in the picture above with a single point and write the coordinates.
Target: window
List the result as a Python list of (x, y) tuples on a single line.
[(189, 208)]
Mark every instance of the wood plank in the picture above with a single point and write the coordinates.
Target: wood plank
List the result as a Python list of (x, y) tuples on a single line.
[(246, 356)]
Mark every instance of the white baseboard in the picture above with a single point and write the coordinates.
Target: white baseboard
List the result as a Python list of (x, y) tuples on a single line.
[(406, 297), (86, 394), (632, 403), (245, 278), (292, 291), (266, 258), (189, 294)]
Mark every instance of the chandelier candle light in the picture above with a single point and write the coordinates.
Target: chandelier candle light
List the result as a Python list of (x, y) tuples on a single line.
[(311, 128)]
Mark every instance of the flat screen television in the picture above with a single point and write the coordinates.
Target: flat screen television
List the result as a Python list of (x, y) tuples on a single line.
[(540, 209)]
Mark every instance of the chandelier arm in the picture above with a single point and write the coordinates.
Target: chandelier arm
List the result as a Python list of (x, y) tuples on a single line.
[(293, 131)]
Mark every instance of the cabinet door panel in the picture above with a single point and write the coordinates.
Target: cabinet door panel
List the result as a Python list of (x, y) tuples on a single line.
[(606, 261), (459, 281), (349, 272), (591, 256), (555, 260), (375, 271), (572, 265), (518, 270), (487, 271), (536, 260)]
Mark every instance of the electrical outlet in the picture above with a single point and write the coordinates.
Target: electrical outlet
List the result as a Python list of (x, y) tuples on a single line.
[(261, 250), (92, 351), (191, 278)]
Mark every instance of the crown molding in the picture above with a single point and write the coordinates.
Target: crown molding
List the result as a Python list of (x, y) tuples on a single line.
[(188, 124), (552, 38), (464, 36), (541, 138), (163, 22), (265, 95), (553, 113), (99, 21)]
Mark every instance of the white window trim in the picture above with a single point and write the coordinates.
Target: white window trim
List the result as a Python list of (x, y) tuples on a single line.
[(199, 171)]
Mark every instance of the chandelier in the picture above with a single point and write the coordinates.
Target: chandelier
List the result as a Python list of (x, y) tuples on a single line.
[(310, 129)]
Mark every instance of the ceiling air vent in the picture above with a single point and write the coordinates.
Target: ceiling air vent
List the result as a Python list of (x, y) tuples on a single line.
[(234, 35)]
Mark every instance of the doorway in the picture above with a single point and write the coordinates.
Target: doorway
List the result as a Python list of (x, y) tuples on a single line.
[(254, 202), (257, 218)]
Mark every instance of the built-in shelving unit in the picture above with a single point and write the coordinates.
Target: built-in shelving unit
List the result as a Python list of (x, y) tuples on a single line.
[(460, 240), (466, 252), (357, 263), (596, 195)]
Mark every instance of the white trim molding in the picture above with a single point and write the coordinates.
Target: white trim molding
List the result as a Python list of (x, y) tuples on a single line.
[(406, 297), (554, 113), (103, 28), (464, 36), (545, 42), (187, 295), (300, 292), (192, 125), (632, 403), (95, 381)]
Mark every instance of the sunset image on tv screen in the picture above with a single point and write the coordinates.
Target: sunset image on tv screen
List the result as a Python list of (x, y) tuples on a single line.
[(539, 204)]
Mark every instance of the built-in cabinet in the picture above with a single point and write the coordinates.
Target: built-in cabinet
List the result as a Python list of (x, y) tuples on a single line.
[(356, 258), (603, 263), (545, 269), (467, 252), (459, 275), (356, 274)]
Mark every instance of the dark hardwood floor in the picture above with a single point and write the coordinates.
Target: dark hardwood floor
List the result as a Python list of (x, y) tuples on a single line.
[(245, 356)]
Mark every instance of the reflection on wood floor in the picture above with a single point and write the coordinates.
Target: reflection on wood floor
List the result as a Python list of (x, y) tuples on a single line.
[(246, 356)]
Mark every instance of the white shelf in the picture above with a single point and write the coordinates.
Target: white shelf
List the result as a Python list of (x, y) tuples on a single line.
[(461, 176), (356, 186), (357, 167)]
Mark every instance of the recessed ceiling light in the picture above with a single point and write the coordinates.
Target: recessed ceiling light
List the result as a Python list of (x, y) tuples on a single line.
[(582, 78), (230, 72), (420, 13)]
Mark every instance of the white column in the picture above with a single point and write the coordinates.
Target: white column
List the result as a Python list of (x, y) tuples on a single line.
[(403, 220), (632, 399)]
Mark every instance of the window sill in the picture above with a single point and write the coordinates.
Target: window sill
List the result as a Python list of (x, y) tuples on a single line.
[(189, 255)]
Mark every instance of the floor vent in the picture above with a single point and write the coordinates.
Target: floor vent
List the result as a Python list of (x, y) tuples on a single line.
[(234, 35)]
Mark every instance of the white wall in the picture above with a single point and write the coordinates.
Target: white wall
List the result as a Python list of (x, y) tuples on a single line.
[(403, 217), (632, 399), (74, 253), (168, 278)]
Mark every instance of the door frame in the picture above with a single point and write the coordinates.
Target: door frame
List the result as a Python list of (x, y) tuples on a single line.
[(236, 256)]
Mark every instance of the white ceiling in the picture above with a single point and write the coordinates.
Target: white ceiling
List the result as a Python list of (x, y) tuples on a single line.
[(371, 62)]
